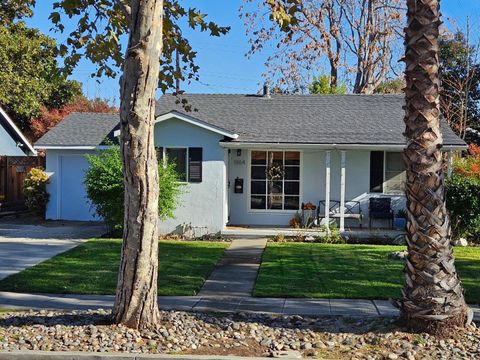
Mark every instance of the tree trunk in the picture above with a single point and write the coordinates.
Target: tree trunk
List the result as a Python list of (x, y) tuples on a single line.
[(433, 298), (136, 303)]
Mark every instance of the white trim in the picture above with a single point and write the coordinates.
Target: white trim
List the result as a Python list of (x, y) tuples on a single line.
[(196, 122), (72, 147), (273, 211), (59, 185), (287, 146), (327, 189), (226, 193), (17, 131), (342, 190), (449, 164)]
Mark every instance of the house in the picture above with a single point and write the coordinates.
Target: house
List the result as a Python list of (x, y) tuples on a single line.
[(17, 157), (12, 141), (252, 159)]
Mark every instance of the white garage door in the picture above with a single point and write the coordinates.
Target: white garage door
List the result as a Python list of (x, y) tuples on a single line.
[(74, 204)]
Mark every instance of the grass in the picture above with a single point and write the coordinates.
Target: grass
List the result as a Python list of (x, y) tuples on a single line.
[(347, 271), (92, 268)]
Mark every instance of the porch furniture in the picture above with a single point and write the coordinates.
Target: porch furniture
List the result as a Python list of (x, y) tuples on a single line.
[(352, 210), (380, 208)]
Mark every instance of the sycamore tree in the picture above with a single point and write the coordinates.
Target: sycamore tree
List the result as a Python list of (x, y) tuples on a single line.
[(154, 39), (352, 39)]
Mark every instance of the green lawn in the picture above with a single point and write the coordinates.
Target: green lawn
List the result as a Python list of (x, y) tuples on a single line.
[(92, 267), (347, 271)]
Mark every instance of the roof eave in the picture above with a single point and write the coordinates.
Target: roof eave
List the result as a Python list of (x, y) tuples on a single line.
[(195, 121), (71, 147), (332, 146), (17, 131)]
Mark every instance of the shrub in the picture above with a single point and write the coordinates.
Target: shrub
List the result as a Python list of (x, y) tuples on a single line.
[(35, 190), (331, 237), (279, 238), (104, 184), (463, 203), (469, 166)]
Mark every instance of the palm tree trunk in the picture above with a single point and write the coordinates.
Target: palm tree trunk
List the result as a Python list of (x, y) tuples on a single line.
[(433, 298), (136, 303)]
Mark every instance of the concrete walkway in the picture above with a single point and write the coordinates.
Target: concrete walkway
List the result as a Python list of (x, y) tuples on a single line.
[(236, 272), (22, 246)]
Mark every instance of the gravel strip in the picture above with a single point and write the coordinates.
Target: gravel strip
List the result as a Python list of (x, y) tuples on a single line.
[(240, 334)]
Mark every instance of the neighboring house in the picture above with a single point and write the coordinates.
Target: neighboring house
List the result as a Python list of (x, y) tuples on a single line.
[(17, 157), (315, 147), (12, 141)]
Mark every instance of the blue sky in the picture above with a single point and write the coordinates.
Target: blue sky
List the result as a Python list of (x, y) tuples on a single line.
[(224, 68)]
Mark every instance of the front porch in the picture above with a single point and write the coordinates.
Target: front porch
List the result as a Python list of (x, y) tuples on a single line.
[(269, 186)]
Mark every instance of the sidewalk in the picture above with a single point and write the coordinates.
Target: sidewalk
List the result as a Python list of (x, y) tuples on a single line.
[(285, 306), (279, 306)]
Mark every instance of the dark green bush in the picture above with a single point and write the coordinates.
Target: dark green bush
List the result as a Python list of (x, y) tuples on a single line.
[(463, 203), (104, 184)]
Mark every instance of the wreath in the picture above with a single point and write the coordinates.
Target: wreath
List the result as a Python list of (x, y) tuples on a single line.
[(275, 172)]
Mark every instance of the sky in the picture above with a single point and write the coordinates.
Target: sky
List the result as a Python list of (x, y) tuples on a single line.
[(224, 66)]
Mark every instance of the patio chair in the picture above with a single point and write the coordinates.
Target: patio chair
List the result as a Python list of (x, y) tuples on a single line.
[(380, 208)]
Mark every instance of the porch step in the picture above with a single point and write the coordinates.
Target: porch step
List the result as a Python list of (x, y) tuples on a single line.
[(261, 232), (258, 232)]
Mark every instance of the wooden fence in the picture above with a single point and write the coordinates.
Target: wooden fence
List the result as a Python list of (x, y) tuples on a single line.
[(13, 170)]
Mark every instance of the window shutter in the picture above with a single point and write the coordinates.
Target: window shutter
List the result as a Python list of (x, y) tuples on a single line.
[(195, 159), (376, 171)]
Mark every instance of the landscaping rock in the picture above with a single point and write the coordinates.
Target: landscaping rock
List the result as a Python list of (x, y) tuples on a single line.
[(399, 255), (399, 240), (236, 334), (460, 242)]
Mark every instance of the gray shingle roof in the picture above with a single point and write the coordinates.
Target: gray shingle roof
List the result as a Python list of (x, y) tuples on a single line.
[(314, 119), (81, 129), (319, 119)]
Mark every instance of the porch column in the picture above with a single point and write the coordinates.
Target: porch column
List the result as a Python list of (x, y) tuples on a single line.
[(342, 192), (449, 164), (327, 190)]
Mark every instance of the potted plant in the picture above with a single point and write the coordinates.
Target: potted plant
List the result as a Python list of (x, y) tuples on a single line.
[(401, 219)]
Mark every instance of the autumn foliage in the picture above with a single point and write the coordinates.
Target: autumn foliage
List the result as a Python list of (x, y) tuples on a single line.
[(51, 117), (469, 166)]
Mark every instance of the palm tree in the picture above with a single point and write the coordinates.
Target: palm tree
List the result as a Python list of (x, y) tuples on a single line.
[(433, 298)]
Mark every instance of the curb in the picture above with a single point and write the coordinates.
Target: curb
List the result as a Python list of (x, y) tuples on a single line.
[(52, 355)]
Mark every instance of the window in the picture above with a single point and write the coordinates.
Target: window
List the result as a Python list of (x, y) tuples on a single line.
[(178, 156), (275, 180), (395, 175), (387, 172), (188, 162), (376, 171)]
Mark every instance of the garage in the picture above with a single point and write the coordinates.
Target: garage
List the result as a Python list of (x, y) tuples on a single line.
[(65, 146), (74, 203)]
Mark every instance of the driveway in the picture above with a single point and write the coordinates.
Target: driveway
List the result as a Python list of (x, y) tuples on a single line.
[(25, 245)]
